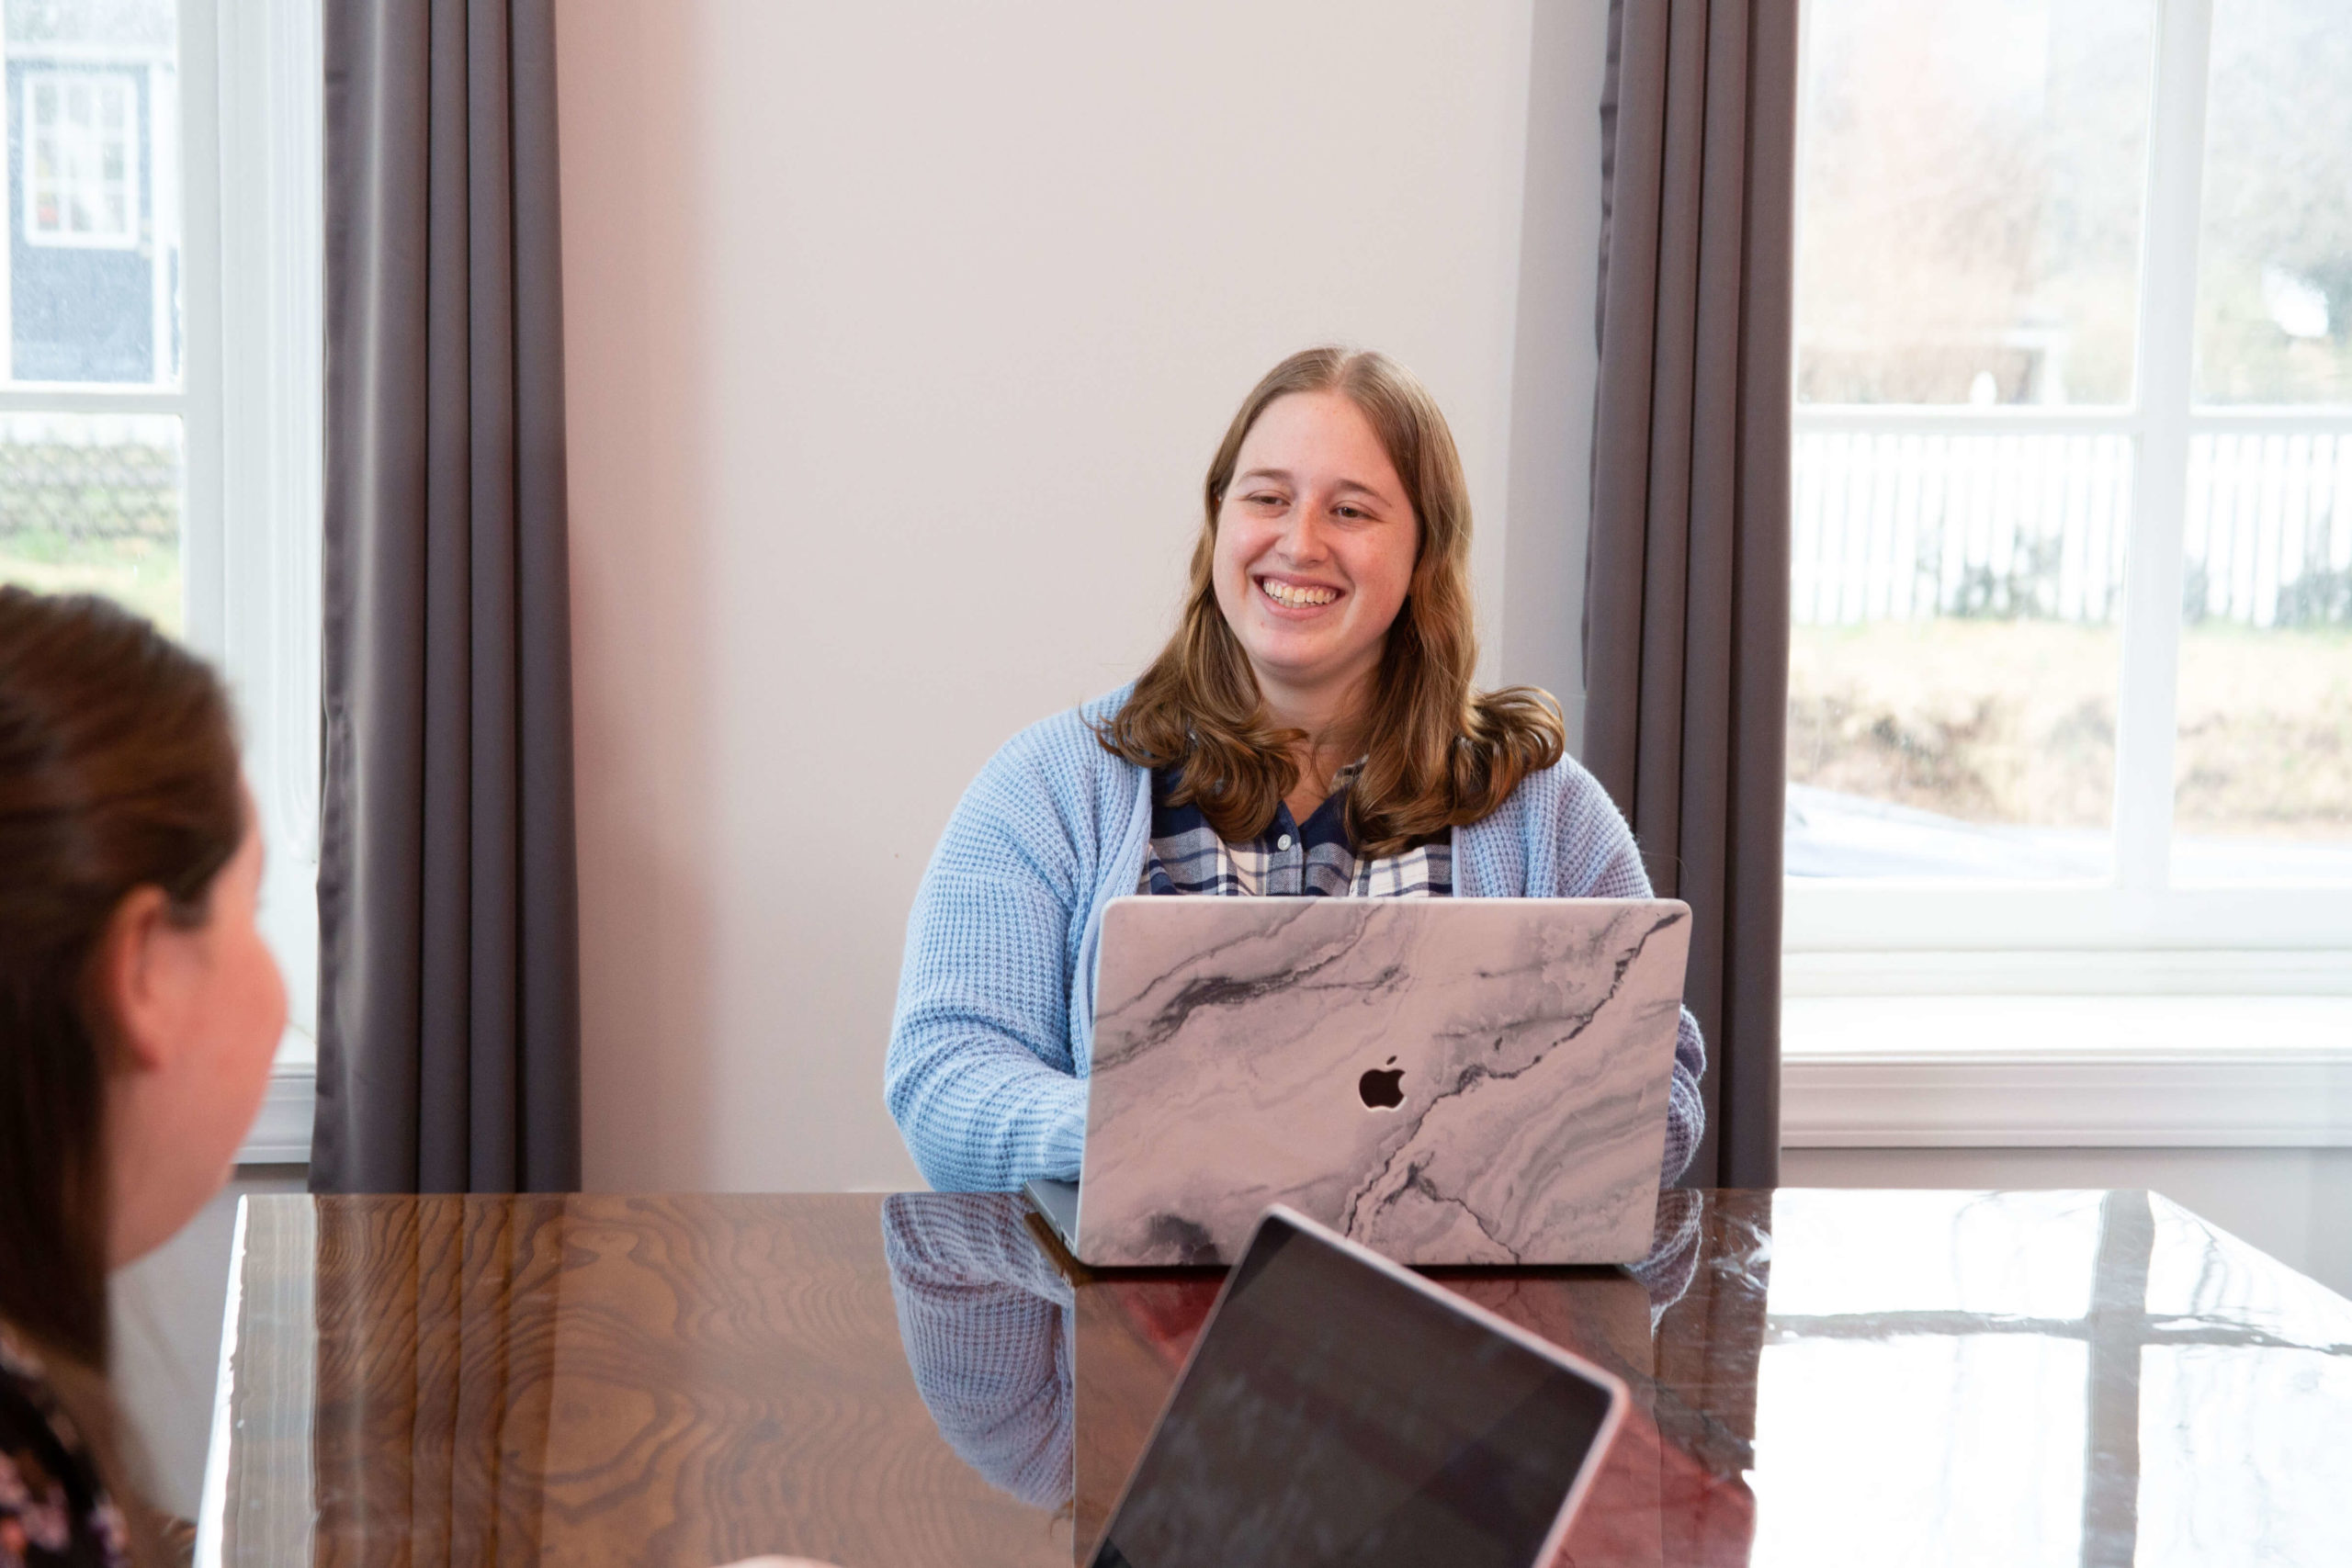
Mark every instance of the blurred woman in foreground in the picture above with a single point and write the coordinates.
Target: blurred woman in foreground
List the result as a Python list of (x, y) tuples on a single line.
[(138, 1012)]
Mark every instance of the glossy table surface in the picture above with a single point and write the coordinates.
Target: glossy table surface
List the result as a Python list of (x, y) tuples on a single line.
[(1820, 1376)]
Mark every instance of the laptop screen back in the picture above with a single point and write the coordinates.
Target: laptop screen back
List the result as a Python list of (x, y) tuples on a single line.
[(1334, 1413)]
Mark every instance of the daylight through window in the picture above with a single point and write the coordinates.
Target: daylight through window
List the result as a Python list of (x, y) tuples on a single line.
[(2057, 353), (81, 157), (93, 411)]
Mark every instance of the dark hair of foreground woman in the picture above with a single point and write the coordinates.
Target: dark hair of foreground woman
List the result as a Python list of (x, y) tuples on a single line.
[(119, 774)]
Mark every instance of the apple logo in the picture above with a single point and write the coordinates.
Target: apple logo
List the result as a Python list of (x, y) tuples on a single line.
[(1379, 1088)]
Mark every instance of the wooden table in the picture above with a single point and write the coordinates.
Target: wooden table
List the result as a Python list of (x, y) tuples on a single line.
[(1822, 1377)]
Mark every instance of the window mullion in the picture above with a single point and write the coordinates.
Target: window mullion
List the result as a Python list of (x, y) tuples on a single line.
[(7, 316), (52, 398), (202, 559), (2146, 727), (270, 225)]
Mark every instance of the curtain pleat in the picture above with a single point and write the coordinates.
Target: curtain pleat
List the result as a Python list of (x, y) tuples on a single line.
[(1686, 606), (448, 1048)]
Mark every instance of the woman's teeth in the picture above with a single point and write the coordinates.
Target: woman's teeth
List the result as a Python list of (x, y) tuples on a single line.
[(1296, 598)]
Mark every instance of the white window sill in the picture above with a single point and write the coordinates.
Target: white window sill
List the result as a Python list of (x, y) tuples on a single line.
[(2067, 1071), (281, 1134)]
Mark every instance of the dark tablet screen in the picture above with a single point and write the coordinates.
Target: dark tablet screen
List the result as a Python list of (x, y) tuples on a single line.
[(1333, 1414)]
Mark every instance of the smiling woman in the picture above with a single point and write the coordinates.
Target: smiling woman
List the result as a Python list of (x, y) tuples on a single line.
[(1310, 729), (1331, 619)]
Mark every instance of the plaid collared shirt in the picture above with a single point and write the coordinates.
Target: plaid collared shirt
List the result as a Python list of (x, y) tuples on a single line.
[(1289, 859)]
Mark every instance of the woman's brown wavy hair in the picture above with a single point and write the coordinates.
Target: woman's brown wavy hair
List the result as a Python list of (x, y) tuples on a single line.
[(1438, 754)]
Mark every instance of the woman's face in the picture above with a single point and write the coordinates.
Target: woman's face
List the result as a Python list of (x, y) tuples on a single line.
[(1315, 548), (200, 1011)]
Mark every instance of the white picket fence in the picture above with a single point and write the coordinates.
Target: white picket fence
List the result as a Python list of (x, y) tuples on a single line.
[(2269, 535), (1897, 526)]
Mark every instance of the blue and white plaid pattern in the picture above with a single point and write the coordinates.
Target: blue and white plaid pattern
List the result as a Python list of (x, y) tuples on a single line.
[(1312, 860)]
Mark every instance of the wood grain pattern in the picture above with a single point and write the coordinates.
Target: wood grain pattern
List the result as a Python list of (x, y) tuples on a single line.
[(626, 1380), (691, 1380)]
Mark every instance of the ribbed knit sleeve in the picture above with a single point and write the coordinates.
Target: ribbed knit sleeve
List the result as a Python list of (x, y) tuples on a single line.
[(980, 1076), (986, 1321)]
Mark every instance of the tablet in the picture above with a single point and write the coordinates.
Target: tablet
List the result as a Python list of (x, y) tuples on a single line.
[(1338, 1409)]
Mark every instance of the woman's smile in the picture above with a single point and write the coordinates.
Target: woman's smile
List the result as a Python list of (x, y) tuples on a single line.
[(1295, 596)]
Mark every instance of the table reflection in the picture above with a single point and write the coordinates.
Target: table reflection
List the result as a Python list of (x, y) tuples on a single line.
[(2044, 1378), (1817, 1377), (1992, 1254), (2019, 1378), (1045, 1378), (987, 1324)]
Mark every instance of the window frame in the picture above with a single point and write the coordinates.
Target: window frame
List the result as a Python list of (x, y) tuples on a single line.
[(1866, 962), (251, 549), (1993, 933), (249, 103)]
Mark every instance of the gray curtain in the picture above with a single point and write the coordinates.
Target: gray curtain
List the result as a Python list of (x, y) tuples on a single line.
[(449, 982), (1686, 584)]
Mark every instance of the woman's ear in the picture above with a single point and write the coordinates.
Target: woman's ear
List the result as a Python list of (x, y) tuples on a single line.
[(141, 979)]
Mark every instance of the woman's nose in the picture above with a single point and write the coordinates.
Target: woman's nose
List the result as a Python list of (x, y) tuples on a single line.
[(1302, 541)]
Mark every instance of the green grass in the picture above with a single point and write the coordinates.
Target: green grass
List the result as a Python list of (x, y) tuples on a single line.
[(141, 573)]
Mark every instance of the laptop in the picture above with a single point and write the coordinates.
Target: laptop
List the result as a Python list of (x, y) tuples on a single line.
[(1338, 1409), (1449, 1081)]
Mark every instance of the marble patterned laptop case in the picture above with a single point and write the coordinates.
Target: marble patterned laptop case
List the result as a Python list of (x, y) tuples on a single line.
[(1448, 1081)]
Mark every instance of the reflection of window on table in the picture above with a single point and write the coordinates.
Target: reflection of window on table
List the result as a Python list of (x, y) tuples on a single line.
[(2072, 554), (2041, 1378), (81, 157)]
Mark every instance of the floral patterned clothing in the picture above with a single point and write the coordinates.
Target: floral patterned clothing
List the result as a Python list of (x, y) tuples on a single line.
[(54, 1508)]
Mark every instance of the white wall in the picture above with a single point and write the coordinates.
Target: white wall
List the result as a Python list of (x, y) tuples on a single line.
[(897, 338), (1558, 359)]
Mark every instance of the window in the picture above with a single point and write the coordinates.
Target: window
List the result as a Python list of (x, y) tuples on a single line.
[(82, 156), (159, 378), (2072, 565)]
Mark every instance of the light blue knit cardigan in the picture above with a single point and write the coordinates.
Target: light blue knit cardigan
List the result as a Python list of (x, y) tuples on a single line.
[(987, 1070)]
